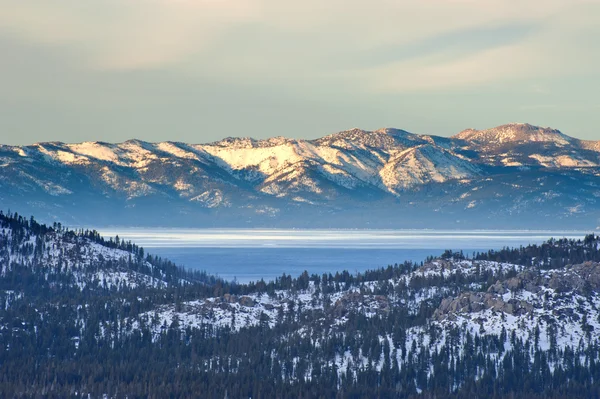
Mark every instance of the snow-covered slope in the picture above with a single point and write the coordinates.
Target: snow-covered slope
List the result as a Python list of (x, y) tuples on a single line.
[(549, 312), (591, 145), (525, 316), (241, 176), (512, 133), (423, 164), (71, 259), (521, 144), (245, 311), (384, 139), (530, 304)]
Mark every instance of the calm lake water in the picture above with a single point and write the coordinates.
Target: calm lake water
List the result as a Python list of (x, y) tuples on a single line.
[(252, 254)]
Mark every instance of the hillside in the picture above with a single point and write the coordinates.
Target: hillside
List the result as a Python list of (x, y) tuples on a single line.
[(84, 315), (508, 176)]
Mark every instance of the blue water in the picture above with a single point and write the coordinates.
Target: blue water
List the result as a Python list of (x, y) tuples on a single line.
[(252, 254), (246, 264)]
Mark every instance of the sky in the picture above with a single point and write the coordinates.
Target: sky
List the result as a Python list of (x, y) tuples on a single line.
[(200, 70)]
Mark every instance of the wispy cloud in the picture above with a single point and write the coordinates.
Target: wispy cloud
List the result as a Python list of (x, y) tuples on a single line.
[(149, 33), (349, 62), (561, 45), (112, 34)]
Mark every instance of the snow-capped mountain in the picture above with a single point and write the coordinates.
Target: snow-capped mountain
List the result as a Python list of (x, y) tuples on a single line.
[(331, 180), (514, 133), (521, 144)]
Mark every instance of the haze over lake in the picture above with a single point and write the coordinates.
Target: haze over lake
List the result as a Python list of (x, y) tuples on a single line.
[(252, 254)]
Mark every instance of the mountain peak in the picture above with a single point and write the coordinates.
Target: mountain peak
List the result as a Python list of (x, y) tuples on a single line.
[(384, 138), (48, 144), (514, 133), (249, 142), (391, 131)]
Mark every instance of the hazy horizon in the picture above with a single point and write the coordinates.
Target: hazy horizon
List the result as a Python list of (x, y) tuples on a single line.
[(266, 138), (156, 237)]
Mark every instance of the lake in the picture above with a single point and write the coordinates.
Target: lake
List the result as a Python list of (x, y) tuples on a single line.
[(252, 254)]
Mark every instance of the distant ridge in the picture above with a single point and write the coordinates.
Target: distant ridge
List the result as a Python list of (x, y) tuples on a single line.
[(514, 174), (514, 132)]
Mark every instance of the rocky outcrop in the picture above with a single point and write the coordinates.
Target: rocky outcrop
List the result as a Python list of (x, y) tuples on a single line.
[(578, 279), (227, 300), (355, 300), (581, 279), (477, 301)]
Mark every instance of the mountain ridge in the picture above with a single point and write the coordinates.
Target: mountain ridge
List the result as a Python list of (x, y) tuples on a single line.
[(515, 132), (276, 139), (331, 179)]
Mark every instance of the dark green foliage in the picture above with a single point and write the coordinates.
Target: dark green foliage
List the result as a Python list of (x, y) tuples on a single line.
[(549, 255), (59, 340)]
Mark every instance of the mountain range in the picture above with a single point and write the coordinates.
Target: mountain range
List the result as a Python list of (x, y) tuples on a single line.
[(512, 176)]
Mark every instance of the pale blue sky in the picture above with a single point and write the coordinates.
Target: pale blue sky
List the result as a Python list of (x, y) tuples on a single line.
[(200, 70)]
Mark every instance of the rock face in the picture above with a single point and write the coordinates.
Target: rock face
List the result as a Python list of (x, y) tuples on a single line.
[(510, 174), (229, 299), (354, 301), (579, 279), (574, 280), (478, 301)]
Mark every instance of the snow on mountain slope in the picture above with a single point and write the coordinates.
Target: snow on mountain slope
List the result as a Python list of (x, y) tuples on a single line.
[(264, 159), (390, 159), (384, 139), (591, 145), (51, 188), (453, 320), (529, 305), (349, 159), (276, 157), (185, 151), (292, 179), (97, 150), (63, 253), (245, 311), (514, 132), (522, 145), (425, 164), (349, 167), (211, 199), (132, 153), (569, 161)]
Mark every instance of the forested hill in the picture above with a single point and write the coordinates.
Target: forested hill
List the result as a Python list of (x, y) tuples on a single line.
[(67, 258), (81, 315)]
